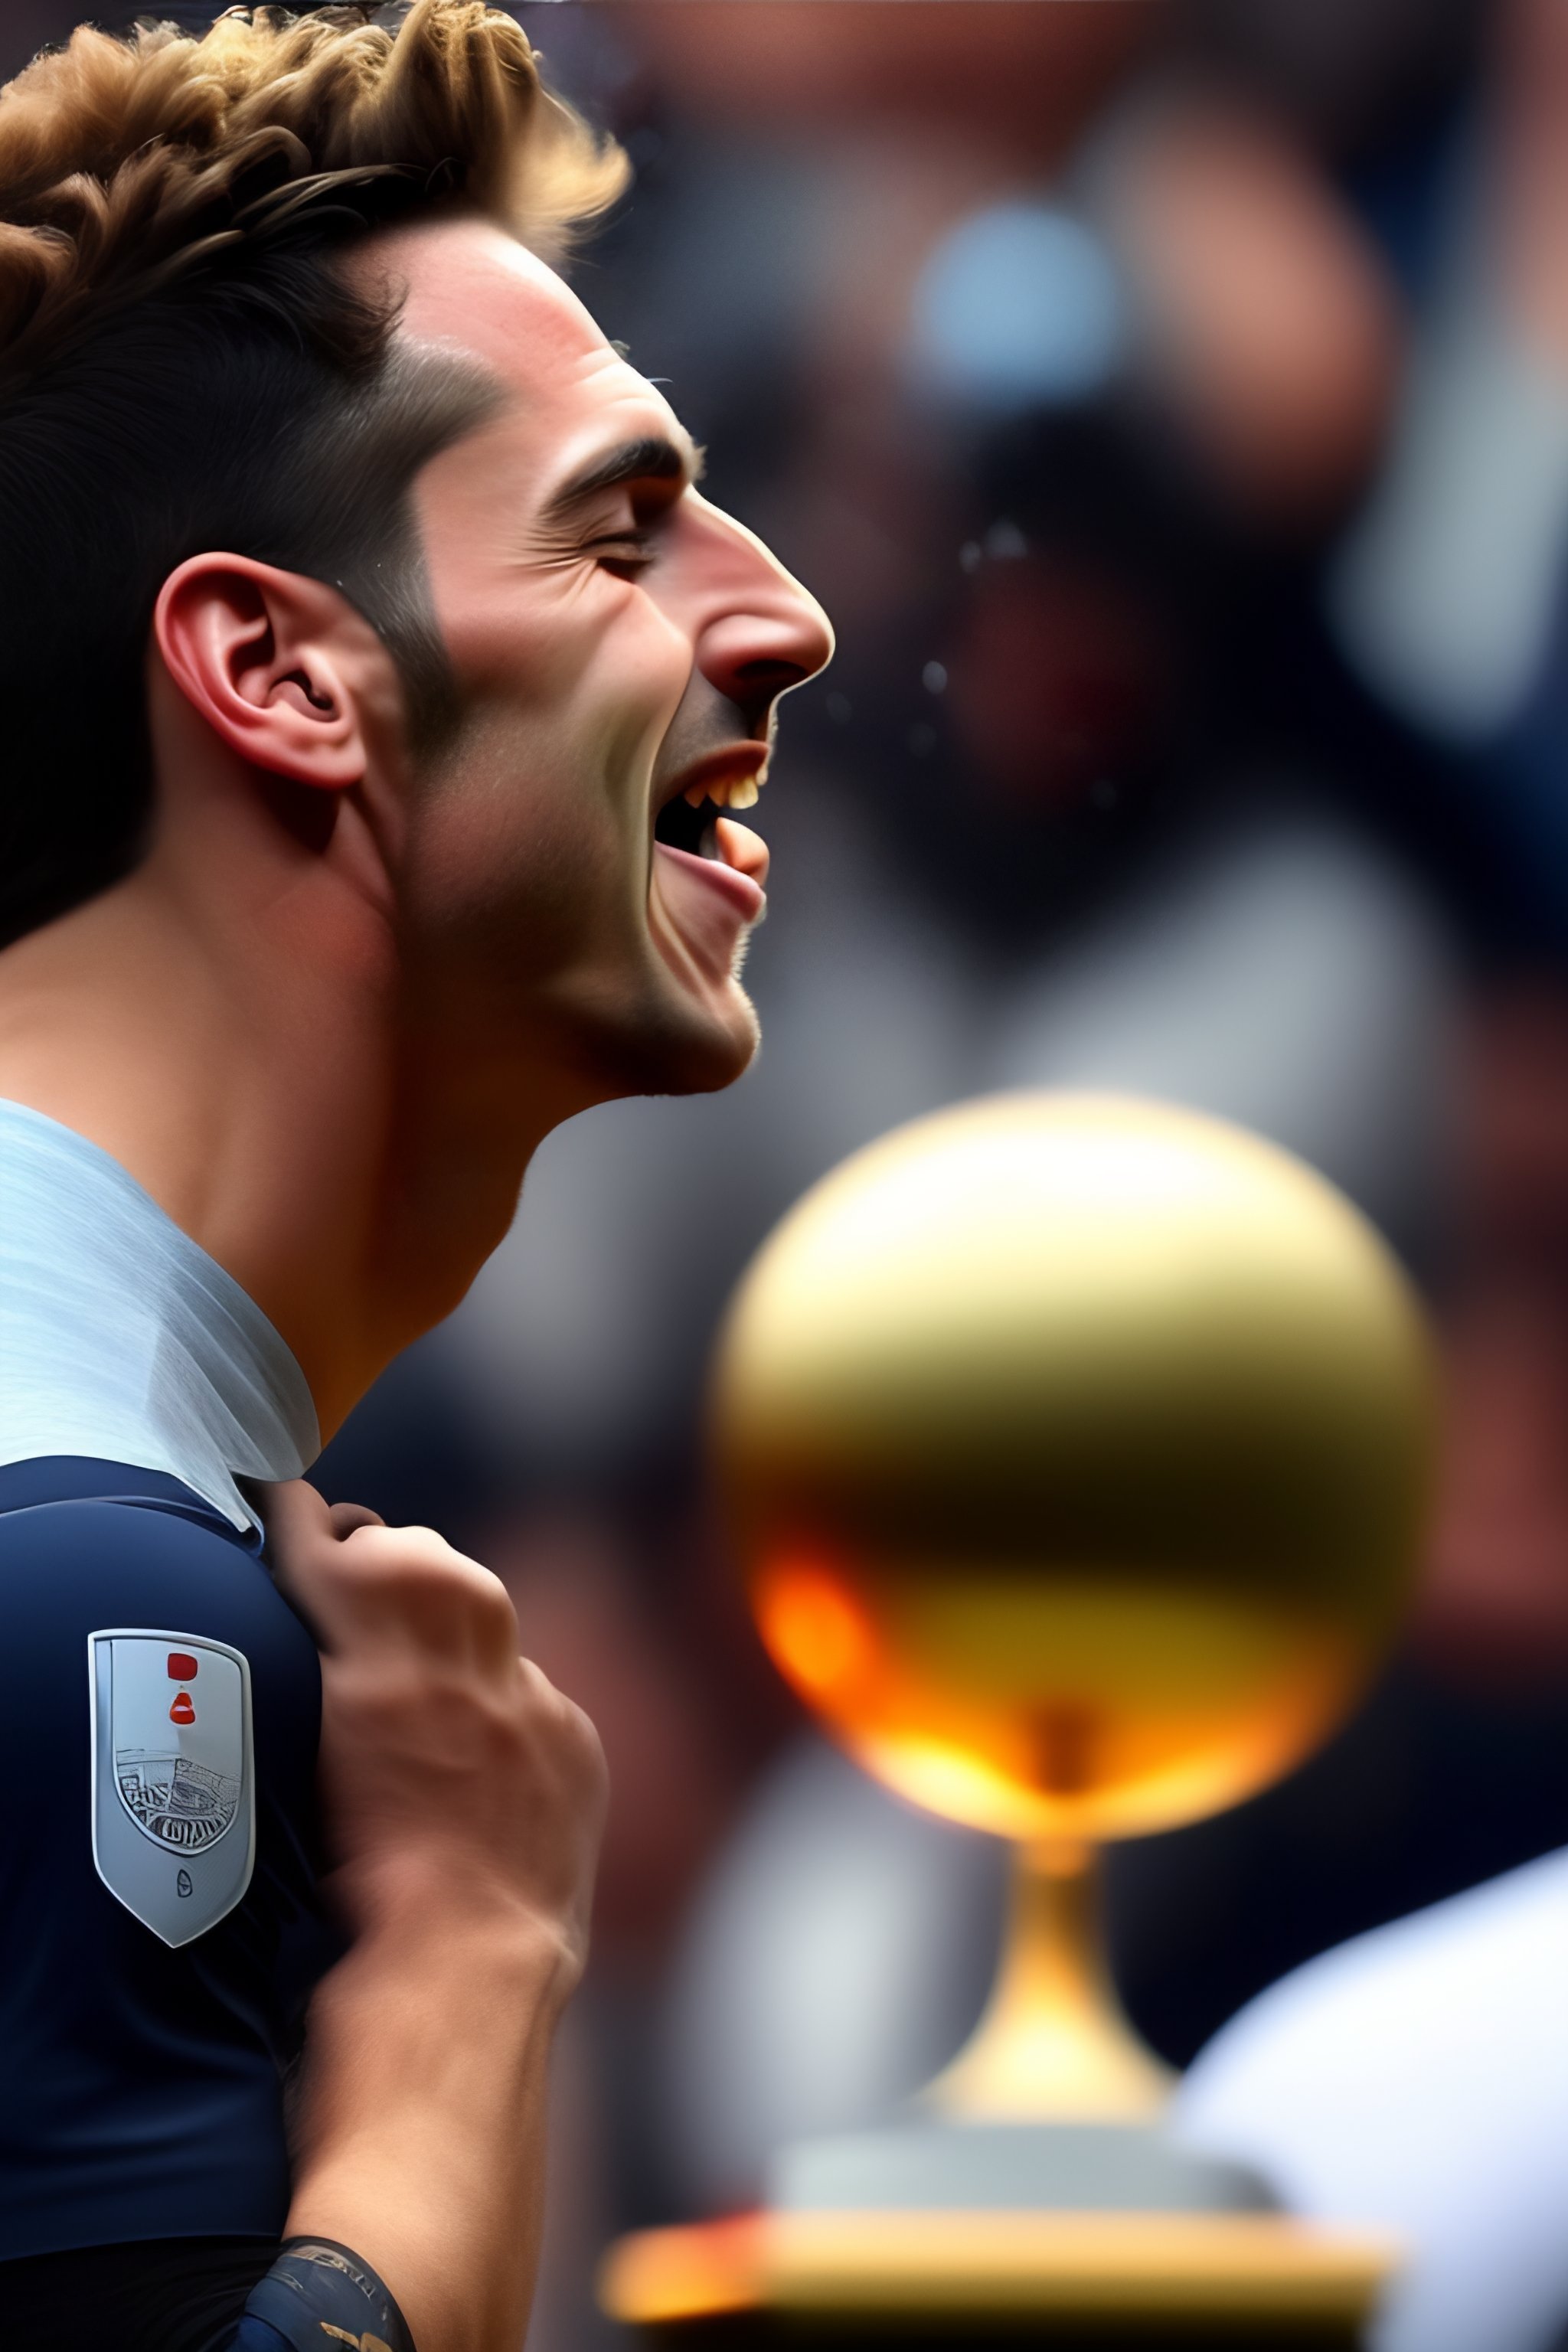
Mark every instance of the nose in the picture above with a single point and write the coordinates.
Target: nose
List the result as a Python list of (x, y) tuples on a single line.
[(758, 632)]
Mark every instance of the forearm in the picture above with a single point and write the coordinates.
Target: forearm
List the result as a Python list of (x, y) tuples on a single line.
[(464, 1797), (422, 2117)]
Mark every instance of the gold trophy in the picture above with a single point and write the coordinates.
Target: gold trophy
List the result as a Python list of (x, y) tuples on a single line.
[(1078, 1453)]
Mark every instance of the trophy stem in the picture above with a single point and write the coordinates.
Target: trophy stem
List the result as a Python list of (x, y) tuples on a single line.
[(1053, 2045)]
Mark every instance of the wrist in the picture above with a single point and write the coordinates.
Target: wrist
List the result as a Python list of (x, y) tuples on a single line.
[(411, 1907), (424, 2033), (416, 2137)]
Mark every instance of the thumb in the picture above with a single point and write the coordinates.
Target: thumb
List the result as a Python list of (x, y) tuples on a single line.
[(303, 1531), (295, 1517), (346, 1517)]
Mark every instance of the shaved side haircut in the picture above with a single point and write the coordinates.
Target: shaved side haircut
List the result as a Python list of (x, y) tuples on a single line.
[(187, 363)]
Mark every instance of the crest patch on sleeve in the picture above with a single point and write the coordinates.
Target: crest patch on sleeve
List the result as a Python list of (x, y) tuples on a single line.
[(173, 1780)]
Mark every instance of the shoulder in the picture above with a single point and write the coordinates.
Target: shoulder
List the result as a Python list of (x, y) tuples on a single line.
[(74, 1566), (159, 1716), (64, 1526)]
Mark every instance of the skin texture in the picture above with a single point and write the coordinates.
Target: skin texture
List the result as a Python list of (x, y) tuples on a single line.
[(332, 1013), (465, 1799), (325, 1024)]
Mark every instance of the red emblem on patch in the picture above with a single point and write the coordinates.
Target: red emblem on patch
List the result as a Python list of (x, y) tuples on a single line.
[(183, 1711), (182, 1666)]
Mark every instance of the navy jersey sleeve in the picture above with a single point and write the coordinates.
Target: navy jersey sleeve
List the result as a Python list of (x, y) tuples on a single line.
[(199, 2295), (160, 1927)]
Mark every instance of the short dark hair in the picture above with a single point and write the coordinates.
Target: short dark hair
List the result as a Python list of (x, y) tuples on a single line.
[(186, 363)]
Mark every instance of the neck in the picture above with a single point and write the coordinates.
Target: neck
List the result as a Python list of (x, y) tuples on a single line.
[(244, 1050)]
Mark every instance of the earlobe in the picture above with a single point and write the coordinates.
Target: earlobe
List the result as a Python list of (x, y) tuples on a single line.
[(257, 653)]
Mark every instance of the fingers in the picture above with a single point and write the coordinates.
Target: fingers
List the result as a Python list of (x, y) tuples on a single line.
[(401, 1584), (442, 1750), (294, 1514), (346, 1517), (304, 1534), (361, 1585), (291, 1510), (298, 1525)]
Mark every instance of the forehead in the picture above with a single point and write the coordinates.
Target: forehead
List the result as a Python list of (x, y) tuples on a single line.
[(472, 289)]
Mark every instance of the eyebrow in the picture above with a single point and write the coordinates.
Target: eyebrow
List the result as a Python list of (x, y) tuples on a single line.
[(653, 458)]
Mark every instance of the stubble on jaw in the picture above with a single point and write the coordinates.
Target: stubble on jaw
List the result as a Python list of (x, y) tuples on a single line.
[(513, 953)]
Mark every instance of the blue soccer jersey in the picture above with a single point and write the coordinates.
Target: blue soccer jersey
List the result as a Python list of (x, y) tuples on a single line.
[(160, 1708), (159, 1715)]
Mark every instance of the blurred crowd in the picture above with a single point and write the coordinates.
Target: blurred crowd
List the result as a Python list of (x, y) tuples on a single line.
[(1169, 404)]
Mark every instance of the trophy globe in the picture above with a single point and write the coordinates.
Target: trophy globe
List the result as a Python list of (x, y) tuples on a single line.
[(1078, 1451)]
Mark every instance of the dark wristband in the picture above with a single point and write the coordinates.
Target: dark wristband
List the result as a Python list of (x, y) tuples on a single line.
[(318, 2295)]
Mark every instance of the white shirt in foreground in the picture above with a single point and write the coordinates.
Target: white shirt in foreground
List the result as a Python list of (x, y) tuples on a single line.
[(1417, 2078)]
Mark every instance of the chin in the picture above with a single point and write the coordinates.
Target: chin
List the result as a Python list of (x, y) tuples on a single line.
[(685, 1048), (712, 1054)]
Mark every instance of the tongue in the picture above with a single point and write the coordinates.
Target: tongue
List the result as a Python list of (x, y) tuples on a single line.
[(708, 903), (741, 849)]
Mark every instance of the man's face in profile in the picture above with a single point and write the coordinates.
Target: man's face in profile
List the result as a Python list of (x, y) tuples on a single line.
[(617, 644)]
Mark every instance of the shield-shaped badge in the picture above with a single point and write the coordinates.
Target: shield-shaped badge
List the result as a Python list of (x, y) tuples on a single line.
[(174, 1794)]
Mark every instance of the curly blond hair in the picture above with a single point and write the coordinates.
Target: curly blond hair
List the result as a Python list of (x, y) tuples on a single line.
[(123, 162), (186, 364)]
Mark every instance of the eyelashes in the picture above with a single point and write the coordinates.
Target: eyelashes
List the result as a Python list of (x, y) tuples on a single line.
[(625, 552)]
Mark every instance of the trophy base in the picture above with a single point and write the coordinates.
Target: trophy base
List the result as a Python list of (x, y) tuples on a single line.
[(987, 2281), (935, 2166)]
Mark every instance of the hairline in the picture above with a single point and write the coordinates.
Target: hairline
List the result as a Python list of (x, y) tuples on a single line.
[(442, 393), (666, 454)]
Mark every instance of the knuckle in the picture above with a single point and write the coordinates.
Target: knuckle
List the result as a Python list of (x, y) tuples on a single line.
[(537, 1687), (594, 1764), (396, 1551), (416, 1565), (492, 1602), (580, 1731), (567, 1733)]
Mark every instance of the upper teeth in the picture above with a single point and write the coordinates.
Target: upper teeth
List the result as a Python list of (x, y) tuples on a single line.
[(741, 793)]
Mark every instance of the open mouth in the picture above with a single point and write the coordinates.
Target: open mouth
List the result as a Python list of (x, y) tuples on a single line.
[(707, 871), (678, 825), (720, 784)]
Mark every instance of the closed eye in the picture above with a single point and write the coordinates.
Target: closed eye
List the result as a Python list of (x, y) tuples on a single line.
[(626, 551)]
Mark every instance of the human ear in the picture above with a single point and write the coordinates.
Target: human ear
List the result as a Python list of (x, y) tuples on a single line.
[(270, 659)]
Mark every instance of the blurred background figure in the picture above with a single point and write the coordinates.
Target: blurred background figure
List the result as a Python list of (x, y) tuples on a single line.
[(1170, 404)]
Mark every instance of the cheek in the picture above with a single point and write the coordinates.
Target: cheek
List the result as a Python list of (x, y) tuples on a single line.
[(529, 853), (576, 649), (518, 868), (568, 702), (499, 819)]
